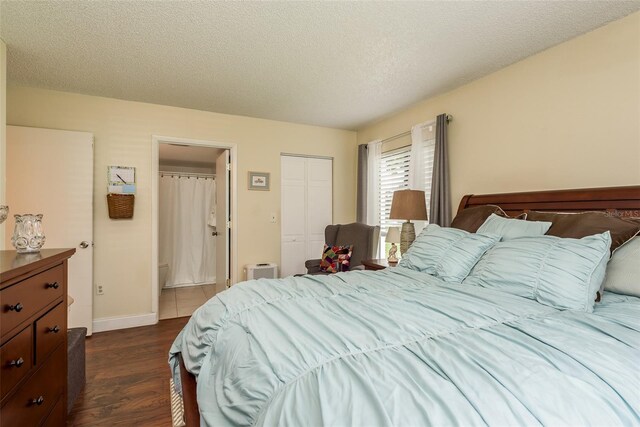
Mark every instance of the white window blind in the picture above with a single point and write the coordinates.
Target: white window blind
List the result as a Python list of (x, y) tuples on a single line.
[(394, 175)]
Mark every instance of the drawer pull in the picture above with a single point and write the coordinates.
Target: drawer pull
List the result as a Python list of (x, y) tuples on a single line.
[(55, 329), (53, 285), (17, 308), (38, 401), (17, 363)]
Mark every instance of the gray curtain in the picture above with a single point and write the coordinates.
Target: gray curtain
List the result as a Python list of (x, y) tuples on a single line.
[(361, 186), (440, 209)]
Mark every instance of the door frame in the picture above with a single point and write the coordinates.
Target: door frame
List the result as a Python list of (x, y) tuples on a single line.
[(155, 170)]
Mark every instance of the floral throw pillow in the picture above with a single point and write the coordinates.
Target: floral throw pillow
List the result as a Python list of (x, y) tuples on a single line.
[(336, 258)]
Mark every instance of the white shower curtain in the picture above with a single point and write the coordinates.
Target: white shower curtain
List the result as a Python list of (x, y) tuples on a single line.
[(185, 240)]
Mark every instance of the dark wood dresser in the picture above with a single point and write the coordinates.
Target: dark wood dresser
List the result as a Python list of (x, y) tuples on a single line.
[(33, 338)]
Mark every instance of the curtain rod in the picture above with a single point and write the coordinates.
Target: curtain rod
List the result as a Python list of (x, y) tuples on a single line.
[(400, 135), (188, 174)]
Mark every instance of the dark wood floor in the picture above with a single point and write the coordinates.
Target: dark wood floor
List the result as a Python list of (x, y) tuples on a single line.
[(128, 377)]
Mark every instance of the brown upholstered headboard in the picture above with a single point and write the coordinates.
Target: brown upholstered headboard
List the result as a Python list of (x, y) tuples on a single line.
[(619, 201)]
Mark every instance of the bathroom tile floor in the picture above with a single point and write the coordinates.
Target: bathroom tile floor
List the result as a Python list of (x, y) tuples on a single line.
[(180, 302)]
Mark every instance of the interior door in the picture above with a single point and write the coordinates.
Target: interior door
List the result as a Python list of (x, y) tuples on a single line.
[(293, 251), (319, 203), (51, 172), (223, 218), (307, 208)]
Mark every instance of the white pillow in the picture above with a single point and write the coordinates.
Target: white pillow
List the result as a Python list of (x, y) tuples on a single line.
[(623, 271), (511, 228)]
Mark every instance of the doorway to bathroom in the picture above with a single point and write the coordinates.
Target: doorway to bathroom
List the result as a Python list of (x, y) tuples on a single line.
[(193, 218)]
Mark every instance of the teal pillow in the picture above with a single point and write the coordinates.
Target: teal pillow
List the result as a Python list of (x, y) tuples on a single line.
[(559, 272), (510, 228), (446, 253)]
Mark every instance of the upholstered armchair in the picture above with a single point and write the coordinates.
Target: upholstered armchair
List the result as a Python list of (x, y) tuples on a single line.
[(364, 239)]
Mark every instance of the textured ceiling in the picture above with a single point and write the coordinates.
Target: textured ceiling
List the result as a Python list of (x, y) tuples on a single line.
[(337, 64)]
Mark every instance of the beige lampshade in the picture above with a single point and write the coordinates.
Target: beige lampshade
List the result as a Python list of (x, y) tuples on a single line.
[(408, 205), (393, 235)]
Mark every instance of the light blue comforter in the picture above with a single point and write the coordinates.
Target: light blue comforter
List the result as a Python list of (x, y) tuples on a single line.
[(399, 347)]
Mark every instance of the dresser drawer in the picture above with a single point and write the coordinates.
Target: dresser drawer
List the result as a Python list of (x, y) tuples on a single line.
[(58, 416), (16, 357), (35, 399), (22, 300), (50, 331)]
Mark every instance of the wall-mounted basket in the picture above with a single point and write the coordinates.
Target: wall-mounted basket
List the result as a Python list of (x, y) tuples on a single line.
[(120, 205)]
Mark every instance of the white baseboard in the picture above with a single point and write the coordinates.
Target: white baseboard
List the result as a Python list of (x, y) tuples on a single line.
[(124, 322)]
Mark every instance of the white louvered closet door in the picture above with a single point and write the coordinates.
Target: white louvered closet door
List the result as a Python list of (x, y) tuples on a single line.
[(307, 208), (319, 204)]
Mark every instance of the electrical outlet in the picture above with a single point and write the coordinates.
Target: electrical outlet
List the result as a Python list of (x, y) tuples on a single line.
[(272, 218), (99, 290)]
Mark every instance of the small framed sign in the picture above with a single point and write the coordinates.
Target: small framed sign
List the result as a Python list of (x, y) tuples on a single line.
[(259, 181), (122, 179)]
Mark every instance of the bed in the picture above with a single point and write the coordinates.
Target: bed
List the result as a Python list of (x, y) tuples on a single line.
[(401, 347)]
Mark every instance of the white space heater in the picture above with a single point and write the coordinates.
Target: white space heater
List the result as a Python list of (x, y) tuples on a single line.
[(261, 271)]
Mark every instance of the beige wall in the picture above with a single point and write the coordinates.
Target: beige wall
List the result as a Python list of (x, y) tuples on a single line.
[(123, 133), (3, 116), (567, 117)]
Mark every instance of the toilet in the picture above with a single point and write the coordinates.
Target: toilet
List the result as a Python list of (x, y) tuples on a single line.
[(163, 269)]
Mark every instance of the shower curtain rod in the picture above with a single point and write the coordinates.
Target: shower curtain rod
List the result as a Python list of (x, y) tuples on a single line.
[(188, 174)]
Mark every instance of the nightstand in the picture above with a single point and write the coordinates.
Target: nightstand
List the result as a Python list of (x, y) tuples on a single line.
[(377, 264)]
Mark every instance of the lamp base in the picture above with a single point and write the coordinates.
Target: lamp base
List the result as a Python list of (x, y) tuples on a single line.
[(392, 258), (407, 236)]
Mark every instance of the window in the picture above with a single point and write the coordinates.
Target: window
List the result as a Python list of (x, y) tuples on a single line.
[(395, 169), (394, 175)]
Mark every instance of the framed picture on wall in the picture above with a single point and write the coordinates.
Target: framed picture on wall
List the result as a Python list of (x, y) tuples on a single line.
[(259, 181)]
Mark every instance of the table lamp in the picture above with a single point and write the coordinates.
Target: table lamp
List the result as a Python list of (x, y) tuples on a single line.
[(408, 205), (393, 237)]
